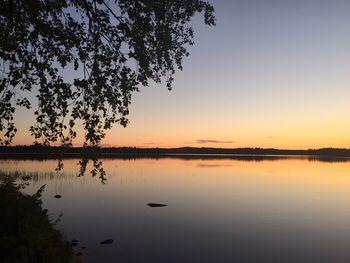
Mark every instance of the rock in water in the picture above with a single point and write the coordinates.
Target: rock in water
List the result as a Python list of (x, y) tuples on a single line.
[(107, 242), (74, 242), (58, 196), (156, 205), (26, 178)]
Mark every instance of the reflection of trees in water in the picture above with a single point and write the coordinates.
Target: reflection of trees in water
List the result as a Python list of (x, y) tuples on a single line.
[(328, 159), (87, 156), (97, 168), (94, 157), (92, 165)]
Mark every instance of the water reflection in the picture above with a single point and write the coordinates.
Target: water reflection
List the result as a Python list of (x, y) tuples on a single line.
[(240, 157), (97, 168), (219, 210)]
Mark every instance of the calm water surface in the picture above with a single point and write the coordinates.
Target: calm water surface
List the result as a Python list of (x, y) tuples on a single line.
[(219, 210)]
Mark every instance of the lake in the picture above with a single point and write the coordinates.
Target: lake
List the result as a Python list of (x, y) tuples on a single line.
[(218, 209)]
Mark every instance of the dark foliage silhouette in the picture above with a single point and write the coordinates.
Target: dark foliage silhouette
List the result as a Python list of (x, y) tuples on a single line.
[(109, 48)]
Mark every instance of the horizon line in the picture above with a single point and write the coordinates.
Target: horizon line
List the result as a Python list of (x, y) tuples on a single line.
[(179, 147)]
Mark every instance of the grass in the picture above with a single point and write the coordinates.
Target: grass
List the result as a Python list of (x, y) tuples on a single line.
[(26, 233)]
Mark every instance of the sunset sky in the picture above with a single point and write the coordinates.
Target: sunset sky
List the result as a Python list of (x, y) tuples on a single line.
[(271, 73)]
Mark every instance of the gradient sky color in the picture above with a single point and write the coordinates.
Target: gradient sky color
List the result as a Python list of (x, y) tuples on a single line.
[(272, 73)]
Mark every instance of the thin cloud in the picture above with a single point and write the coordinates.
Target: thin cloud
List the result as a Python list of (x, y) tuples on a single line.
[(203, 141), (270, 137)]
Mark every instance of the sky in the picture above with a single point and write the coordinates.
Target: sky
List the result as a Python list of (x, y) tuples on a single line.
[(271, 73)]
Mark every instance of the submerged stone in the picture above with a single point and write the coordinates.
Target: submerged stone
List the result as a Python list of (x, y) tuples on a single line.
[(26, 178), (156, 205), (107, 242), (74, 242)]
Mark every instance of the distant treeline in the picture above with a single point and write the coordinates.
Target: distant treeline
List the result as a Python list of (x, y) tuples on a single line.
[(38, 149)]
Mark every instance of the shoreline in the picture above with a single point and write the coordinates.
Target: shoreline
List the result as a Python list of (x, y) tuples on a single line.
[(183, 156)]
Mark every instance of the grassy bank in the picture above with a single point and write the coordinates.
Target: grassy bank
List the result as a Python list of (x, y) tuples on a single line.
[(26, 233)]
